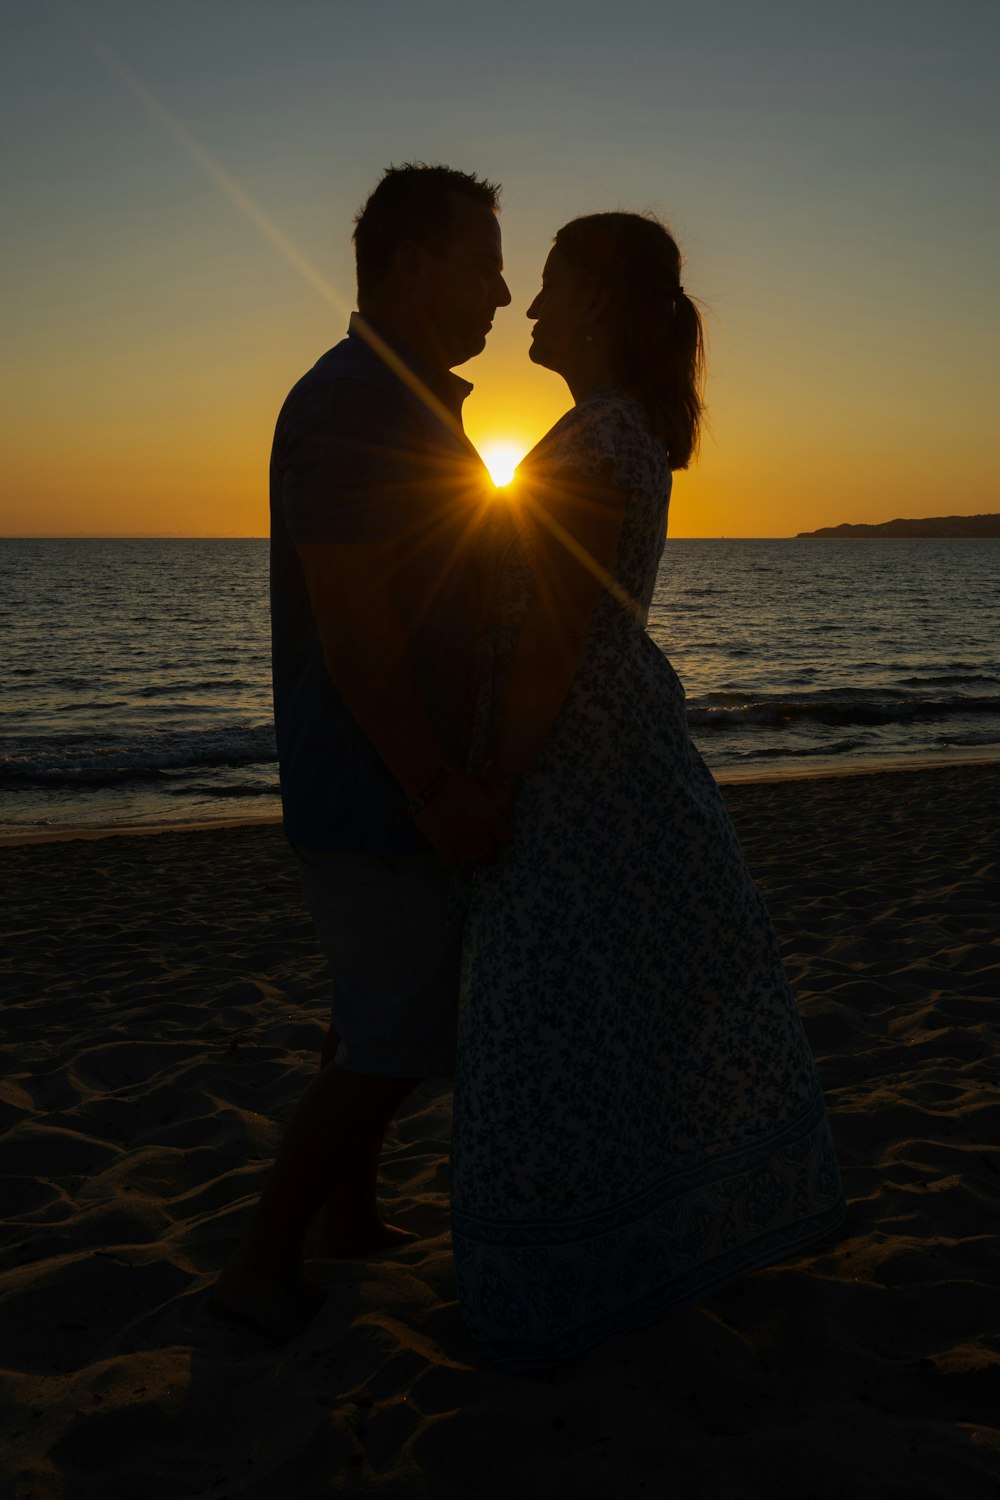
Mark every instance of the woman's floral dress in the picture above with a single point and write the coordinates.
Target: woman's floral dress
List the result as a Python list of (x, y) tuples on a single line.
[(638, 1117)]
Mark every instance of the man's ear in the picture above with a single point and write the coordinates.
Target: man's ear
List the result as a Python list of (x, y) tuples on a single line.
[(410, 261), (600, 301)]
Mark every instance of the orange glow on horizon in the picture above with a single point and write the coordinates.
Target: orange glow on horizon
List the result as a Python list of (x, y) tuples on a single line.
[(181, 255)]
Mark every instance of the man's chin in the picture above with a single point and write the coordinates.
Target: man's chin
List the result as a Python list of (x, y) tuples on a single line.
[(470, 349)]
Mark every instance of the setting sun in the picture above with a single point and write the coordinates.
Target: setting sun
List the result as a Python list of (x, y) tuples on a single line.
[(501, 459)]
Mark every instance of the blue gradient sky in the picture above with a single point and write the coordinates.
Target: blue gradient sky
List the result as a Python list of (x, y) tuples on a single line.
[(829, 171)]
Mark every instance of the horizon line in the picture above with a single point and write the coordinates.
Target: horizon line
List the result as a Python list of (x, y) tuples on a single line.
[(181, 536)]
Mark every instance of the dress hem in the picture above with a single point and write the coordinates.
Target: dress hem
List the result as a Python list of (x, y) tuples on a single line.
[(510, 1355)]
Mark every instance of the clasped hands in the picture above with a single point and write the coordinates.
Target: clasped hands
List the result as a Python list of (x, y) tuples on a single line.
[(469, 820)]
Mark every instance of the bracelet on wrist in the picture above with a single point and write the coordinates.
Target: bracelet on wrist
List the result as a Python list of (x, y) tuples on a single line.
[(419, 802)]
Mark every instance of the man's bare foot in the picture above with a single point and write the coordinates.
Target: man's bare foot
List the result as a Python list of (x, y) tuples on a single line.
[(340, 1239), (279, 1308)]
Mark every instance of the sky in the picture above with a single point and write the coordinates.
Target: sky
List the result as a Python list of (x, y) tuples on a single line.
[(180, 179)]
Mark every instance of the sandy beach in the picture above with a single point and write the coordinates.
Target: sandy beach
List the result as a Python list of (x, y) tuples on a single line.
[(164, 1004)]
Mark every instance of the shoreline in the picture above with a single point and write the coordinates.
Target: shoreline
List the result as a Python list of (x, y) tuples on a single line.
[(91, 832), (889, 765)]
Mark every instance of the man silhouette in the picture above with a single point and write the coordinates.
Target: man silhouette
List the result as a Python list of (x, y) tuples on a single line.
[(376, 594)]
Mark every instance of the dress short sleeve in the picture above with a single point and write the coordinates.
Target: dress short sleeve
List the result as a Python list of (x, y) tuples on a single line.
[(346, 457), (604, 430)]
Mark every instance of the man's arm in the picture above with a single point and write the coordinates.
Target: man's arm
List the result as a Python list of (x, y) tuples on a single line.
[(367, 655)]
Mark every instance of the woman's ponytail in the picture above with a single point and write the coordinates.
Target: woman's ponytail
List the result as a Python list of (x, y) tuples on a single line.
[(656, 334)]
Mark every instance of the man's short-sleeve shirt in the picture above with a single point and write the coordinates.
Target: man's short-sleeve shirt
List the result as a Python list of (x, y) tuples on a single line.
[(360, 456)]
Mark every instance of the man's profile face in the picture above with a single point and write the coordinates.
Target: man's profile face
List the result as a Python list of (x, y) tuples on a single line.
[(461, 283)]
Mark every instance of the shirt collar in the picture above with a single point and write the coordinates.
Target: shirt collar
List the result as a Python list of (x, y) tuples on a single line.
[(450, 389)]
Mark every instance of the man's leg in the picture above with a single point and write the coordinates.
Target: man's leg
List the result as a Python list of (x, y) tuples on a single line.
[(393, 945), (393, 952), (351, 1217), (329, 1154)]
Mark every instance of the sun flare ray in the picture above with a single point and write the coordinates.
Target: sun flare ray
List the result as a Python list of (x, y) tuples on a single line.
[(242, 201)]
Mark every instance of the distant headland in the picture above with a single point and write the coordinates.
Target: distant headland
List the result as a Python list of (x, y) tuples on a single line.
[(933, 526)]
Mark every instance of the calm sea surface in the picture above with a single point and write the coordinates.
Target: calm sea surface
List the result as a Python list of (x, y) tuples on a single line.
[(135, 674)]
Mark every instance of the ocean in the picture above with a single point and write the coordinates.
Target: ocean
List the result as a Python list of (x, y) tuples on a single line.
[(135, 674)]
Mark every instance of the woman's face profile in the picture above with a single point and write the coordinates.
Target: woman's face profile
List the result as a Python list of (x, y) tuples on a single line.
[(560, 312)]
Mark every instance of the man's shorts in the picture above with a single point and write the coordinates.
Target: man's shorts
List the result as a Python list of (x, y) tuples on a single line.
[(393, 939)]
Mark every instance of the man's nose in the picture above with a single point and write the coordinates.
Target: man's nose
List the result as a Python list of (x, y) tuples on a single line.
[(503, 300)]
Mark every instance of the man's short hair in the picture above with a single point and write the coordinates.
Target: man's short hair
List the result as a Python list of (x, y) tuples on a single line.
[(415, 203)]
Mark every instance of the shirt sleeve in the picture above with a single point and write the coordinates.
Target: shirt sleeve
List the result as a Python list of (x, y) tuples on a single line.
[(347, 464)]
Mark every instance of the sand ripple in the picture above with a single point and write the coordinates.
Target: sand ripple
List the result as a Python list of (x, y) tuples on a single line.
[(165, 1005)]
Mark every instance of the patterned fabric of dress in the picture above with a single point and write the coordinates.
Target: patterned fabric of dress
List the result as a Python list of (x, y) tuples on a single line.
[(638, 1117)]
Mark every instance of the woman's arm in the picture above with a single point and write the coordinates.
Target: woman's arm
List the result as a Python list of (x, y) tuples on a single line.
[(573, 523)]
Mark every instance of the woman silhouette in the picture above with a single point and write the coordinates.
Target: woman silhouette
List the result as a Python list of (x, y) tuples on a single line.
[(638, 1117)]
